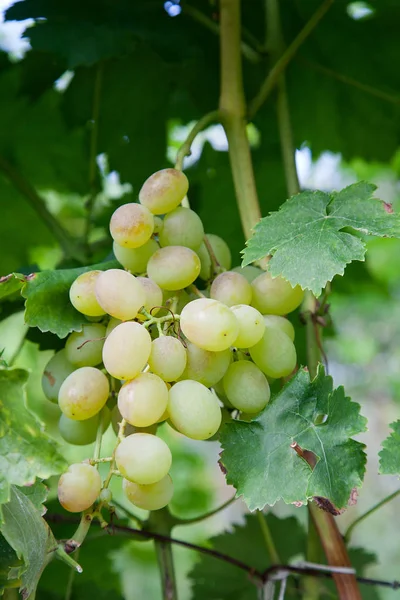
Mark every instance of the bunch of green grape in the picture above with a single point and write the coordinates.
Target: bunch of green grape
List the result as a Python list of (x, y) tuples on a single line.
[(172, 336)]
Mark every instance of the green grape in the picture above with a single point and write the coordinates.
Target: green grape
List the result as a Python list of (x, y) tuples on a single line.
[(135, 259), (120, 294), (205, 366), (163, 191), (154, 295), (174, 267), (81, 433), (83, 394), (246, 386), (131, 225), (149, 497), (281, 323), (143, 458), (221, 252), (209, 324), (84, 348), (82, 294), (219, 390), (275, 353), (167, 358), (112, 323), (249, 272), (143, 400), (275, 295), (116, 419), (55, 372), (158, 224), (231, 288), (127, 350), (182, 227), (79, 487), (251, 325), (194, 410)]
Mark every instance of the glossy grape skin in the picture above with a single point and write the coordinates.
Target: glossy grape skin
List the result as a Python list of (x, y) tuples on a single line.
[(251, 325), (275, 296), (246, 387), (55, 372), (143, 400), (281, 323), (126, 350), (79, 487), (131, 225), (275, 353), (231, 288), (84, 348), (82, 294), (120, 294), (154, 295), (205, 366), (163, 191), (143, 458), (222, 254), (194, 410), (135, 259), (81, 433), (174, 267), (209, 324), (182, 227), (167, 358), (83, 393), (149, 497)]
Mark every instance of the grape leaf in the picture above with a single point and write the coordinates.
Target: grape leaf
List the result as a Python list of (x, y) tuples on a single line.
[(216, 580), (263, 466), (306, 237), (11, 284), (30, 536), (47, 298), (25, 451), (8, 560), (389, 463)]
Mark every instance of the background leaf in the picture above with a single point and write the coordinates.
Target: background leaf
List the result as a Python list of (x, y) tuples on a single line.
[(389, 463)]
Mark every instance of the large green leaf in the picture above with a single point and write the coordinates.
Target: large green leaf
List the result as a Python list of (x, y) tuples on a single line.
[(47, 300), (8, 560), (389, 463), (30, 536), (213, 579), (11, 284), (262, 464), (306, 236), (25, 451)]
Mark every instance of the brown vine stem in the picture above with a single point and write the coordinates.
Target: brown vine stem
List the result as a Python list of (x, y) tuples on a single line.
[(324, 523), (233, 115)]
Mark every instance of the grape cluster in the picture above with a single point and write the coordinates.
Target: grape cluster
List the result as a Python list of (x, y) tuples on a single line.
[(155, 348)]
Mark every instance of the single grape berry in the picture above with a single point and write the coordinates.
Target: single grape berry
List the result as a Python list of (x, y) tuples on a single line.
[(194, 410), (143, 458), (163, 191), (55, 372), (231, 288), (82, 294), (149, 497), (275, 295), (246, 387), (174, 267), (83, 393), (120, 294), (131, 225), (79, 487), (209, 324), (143, 400), (126, 350)]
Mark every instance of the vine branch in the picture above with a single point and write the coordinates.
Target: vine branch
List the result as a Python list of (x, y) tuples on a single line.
[(185, 149), (211, 513)]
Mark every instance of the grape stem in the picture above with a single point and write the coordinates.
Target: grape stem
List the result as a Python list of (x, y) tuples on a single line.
[(211, 513), (269, 541), (369, 512), (160, 320), (214, 261), (97, 461), (185, 149)]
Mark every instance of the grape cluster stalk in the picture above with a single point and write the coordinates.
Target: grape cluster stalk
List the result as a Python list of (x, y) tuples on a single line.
[(174, 336)]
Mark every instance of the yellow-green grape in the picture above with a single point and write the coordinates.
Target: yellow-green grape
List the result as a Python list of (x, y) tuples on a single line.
[(154, 295), (251, 325), (79, 487), (194, 410), (82, 294), (275, 295), (143, 458), (163, 191), (219, 390), (231, 288), (275, 353), (135, 259), (131, 225), (55, 372), (209, 324), (158, 224), (182, 227), (174, 267), (143, 400), (81, 433), (149, 497), (84, 393), (84, 348), (112, 323), (249, 272), (221, 252), (281, 323), (205, 366), (246, 386), (167, 358), (127, 350), (116, 419), (120, 294)]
